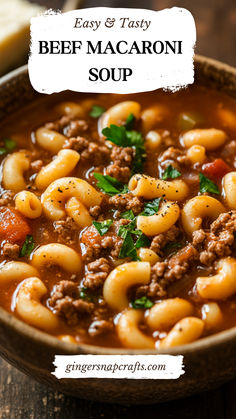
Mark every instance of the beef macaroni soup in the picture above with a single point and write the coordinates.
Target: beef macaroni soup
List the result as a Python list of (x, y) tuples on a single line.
[(118, 217)]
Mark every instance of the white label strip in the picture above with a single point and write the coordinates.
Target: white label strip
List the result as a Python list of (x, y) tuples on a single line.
[(106, 50), (119, 366)]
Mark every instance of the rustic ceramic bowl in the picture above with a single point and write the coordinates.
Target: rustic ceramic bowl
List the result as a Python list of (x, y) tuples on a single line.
[(208, 362)]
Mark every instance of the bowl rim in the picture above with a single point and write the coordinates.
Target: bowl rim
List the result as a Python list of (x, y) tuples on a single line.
[(43, 338)]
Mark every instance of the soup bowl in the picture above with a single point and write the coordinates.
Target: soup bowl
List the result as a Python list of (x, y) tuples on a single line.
[(208, 362)]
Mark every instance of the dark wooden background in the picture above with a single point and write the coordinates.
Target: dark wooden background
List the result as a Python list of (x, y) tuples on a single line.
[(20, 396)]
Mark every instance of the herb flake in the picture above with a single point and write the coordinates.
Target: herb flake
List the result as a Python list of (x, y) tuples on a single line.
[(143, 241), (117, 135), (102, 226), (130, 121), (123, 137), (96, 111), (110, 185), (128, 215), (128, 248), (83, 294), (142, 302), (170, 173), (27, 247), (151, 207), (9, 145), (206, 185)]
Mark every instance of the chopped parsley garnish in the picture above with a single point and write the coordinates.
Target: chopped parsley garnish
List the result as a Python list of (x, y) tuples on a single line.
[(143, 241), (117, 135), (137, 142), (9, 145), (83, 294), (129, 215), (123, 229), (142, 302), (102, 226), (124, 137), (206, 185), (151, 207), (110, 185), (96, 111), (128, 248), (171, 173), (27, 247), (130, 121)]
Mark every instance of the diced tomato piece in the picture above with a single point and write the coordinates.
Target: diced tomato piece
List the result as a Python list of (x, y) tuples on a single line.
[(90, 236), (13, 227), (216, 169)]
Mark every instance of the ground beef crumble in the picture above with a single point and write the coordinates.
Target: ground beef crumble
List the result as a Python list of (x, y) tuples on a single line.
[(112, 243), (206, 247), (67, 230), (164, 273), (98, 272), (65, 302), (161, 240), (120, 168), (59, 124), (68, 126), (175, 157), (75, 127), (6, 198), (97, 153), (125, 202), (10, 250), (218, 241), (95, 211)]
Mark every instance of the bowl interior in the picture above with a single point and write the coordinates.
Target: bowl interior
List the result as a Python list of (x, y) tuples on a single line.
[(15, 92)]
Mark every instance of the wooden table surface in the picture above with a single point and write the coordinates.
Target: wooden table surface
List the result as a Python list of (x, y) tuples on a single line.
[(21, 396)]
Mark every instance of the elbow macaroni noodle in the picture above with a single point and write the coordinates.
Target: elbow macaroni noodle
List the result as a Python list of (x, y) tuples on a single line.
[(165, 314), (57, 254), (210, 138), (49, 140), (59, 192), (212, 316), (14, 168), (197, 154), (118, 114), (78, 212), (185, 331), (101, 280), (162, 221), (222, 285), (72, 109), (150, 188), (61, 166), (148, 255), (151, 116), (153, 140), (16, 271), (29, 307), (229, 189), (28, 204), (121, 279), (198, 208), (129, 332)]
